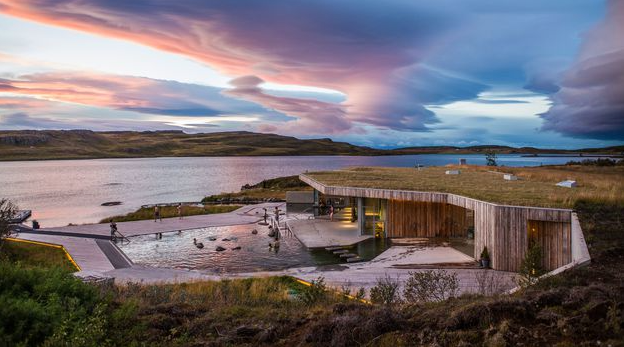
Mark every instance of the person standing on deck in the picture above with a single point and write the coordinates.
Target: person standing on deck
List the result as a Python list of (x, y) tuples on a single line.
[(157, 213), (180, 211), (331, 212), (113, 229), (277, 211)]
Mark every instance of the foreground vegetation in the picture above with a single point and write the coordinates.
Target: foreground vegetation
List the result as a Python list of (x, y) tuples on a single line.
[(146, 213), (535, 187), (584, 306)]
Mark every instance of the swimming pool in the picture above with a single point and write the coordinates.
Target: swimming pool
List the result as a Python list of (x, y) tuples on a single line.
[(176, 250)]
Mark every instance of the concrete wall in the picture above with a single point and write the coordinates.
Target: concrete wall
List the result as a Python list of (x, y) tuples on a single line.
[(300, 197)]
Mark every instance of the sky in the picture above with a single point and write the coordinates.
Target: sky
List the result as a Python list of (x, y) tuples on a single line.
[(385, 74)]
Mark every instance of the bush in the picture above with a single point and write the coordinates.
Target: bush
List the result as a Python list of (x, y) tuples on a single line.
[(36, 304), (490, 158), (531, 268), (488, 283), (386, 291), (431, 285), (7, 211), (315, 292)]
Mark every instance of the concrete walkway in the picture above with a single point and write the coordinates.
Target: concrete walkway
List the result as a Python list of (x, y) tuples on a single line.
[(244, 215), (81, 241)]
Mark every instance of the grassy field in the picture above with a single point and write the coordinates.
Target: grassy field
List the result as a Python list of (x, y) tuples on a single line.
[(171, 211), (536, 186), (33, 255)]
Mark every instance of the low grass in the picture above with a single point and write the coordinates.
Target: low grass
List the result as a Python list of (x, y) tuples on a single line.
[(34, 255), (536, 186), (145, 213)]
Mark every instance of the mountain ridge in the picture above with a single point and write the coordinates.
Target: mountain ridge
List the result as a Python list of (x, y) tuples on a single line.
[(88, 144)]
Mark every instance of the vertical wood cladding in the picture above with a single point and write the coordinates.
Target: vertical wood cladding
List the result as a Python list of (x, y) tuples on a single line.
[(555, 240), (425, 219)]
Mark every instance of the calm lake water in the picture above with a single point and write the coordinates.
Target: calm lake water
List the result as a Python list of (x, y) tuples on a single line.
[(71, 191)]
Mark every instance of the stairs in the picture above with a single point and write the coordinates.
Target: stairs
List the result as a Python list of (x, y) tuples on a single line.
[(345, 253)]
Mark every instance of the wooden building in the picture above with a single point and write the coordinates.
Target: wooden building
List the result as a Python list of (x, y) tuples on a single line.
[(507, 231)]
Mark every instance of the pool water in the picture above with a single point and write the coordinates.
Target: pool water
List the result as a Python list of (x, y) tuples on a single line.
[(176, 250)]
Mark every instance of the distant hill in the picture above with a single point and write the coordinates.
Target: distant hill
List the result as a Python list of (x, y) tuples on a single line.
[(79, 144), (86, 144)]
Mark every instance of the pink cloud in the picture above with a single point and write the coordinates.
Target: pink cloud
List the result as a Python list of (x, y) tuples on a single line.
[(363, 53), (314, 116)]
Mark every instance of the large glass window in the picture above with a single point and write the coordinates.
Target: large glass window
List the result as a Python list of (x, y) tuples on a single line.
[(375, 217)]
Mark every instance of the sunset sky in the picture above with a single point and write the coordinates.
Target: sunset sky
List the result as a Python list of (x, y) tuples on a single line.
[(377, 73)]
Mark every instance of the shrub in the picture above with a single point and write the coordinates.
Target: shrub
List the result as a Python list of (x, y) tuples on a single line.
[(315, 292), (7, 211), (531, 268), (360, 294), (36, 304), (490, 158), (431, 285), (488, 283), (485, 255), (386, 291)]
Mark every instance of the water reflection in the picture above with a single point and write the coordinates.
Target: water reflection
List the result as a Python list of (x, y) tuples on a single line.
[(177, 250)]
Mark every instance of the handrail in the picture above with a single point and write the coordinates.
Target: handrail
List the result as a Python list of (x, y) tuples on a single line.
[(123, 238)]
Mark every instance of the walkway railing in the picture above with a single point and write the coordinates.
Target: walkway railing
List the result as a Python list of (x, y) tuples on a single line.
[(117, 235)]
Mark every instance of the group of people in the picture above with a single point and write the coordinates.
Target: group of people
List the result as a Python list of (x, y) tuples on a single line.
[(158, 216)]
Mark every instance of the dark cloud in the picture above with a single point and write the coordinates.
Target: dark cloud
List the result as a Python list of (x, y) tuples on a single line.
[(590, 103)]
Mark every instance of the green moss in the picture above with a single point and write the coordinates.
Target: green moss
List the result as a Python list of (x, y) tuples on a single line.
[(33, 255)]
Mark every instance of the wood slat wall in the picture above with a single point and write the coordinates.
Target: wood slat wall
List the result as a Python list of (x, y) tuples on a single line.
[(554, 238), (503, 229), (425, 219)]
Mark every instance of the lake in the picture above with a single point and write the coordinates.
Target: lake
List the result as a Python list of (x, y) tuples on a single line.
[(71, 191)]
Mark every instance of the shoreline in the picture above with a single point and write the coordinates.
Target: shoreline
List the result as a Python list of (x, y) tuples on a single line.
[(389, 154)]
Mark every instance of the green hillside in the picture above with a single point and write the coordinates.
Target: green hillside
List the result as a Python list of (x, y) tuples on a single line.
[(86, 144), (82, 144)]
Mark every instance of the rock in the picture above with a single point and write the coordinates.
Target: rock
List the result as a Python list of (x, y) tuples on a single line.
[(548, 316), (247, 331), (236, 248), (267, 335), (254, 231), (212, 238), (225, 239), (111, 203), (220, 249)]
